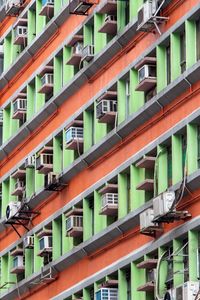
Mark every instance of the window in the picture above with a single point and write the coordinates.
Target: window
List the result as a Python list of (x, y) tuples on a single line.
[(182, 52)]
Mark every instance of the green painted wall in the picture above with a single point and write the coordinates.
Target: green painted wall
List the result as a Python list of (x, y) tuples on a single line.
[(40, 20), (29, 261), (6, 124), (58, 63), (30, 182), (57, 238), (178, 263), (40, 98), (31, 25), (161, 68), (177, 159), (136, 98), (121, 99), (7, 52), (57, 152), (122, 284), (192, 148), (190, 34), (137, 197), (87, 220), (68, 71), (99, 38), (122, 195), (38, 261), (100, 222), (175, 55), (100, 130), (137, 279), (30, 101), (67, 242), (88, 118), (193, 245), (68, 155), (162, 178), (134, 5)]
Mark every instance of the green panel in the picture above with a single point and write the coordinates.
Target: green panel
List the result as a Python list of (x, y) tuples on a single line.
[(6, 124), (122, 284), (100, 130), (177, 158), (11, 277), (38, 261), (7, 52), (67, 242), (134, 5), (136, 98), (192, 148), (122, 195), (30, 101), (57, 74), (14, 124), (57, 6), (4, 269), (5, 196), (57, 238), (15, 49), (87, 34), (39, 181), (40, 20), (137, 197), (190, 34), (68, 70), (121, 102), (40, 98), (28, 262), (30, 182), (121, 15), (57, 154), (87, 220), (161, 174), (178, 265), (88, 129), (137, 279), (68, 155), (86, 294), (31, 25), (175, 56), (11, 189), (162, 272), (161, 68), (99, 38), (192, 251), (100, 222)]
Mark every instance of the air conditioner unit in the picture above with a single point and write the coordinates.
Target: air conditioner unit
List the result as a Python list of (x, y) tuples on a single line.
[(47, 79), (51, 178), (146, 219), (104, 107), (187, 291), (28, 242), (163, 203), (18, 264), (88, 53), (145, 13), (109, 199), (12, 209), (45, 244), (44, 160), (74, 222), (106, 294), (19, 108), (146, 72), (13, 7), (21, 31), (73, 133), (110, 18), (30, 162), (77, 48)]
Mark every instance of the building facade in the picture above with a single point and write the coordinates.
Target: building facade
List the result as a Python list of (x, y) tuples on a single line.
[(100, 149)]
